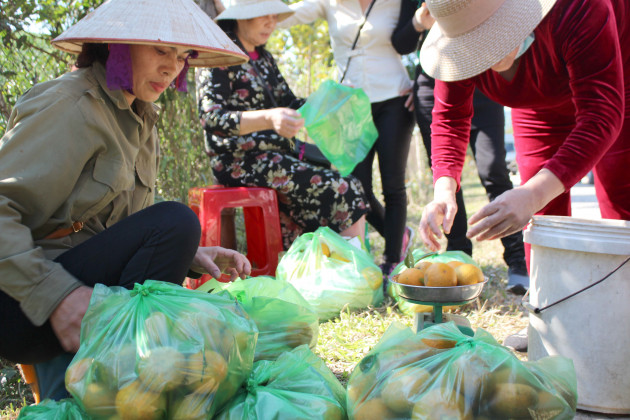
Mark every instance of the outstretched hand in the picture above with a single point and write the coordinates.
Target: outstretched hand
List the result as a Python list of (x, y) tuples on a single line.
[(507, 214), (286, 121), (215, 260), (512, 210), (67, 316), (438, 215)]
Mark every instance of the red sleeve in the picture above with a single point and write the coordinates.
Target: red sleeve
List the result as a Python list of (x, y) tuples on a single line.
[(588, 41), (450, 129)]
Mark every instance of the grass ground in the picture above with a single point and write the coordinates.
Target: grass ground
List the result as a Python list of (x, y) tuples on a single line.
[(344, 341)]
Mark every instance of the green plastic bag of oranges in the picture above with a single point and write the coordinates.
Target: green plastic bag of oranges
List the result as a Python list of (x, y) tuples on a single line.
[(66, 409), (331, 273), (285, 320), (160, 351), (442, 373), (296, 386)]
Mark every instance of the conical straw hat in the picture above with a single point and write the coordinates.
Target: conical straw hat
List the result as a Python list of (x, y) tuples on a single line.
[(249, 9), (154, 22)]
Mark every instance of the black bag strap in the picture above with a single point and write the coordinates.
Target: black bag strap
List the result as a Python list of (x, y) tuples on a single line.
[(356, 39)]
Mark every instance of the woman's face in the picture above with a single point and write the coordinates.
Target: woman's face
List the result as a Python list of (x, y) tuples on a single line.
[(255, 32), (154, 68), (506, 62)]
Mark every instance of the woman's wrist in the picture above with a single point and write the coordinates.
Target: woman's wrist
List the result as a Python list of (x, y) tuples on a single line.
[(417, 25)]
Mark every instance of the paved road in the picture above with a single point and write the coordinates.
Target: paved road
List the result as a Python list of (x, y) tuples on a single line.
[(583, 202)]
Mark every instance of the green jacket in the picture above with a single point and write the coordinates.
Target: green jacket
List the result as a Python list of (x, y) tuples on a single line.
[(73, 151)]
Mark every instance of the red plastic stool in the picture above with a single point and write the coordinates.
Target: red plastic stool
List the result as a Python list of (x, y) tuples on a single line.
[(262, 223)]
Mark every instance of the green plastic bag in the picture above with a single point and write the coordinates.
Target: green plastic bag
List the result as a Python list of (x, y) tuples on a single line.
[(297, 386), (339, 120), (330, 273), (160, 351), (66, 409), (409, 308), (285, 320), (441, 373)]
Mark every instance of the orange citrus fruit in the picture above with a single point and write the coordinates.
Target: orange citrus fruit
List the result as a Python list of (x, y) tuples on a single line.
[(440, 275), (455, 263), (439, 343), (423, 265), (468, 274), (373, 276), (411, 276), (325, 249)]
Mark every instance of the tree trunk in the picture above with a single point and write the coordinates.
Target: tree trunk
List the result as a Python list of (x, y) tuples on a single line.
[(208, 7)]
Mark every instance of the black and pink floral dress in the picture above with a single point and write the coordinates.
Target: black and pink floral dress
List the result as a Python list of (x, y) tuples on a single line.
[(309, 196)]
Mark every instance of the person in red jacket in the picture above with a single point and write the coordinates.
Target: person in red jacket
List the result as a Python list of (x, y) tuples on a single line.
[(563, 66)]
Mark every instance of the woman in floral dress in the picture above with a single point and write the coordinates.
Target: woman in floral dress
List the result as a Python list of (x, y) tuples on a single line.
[(249, 128)]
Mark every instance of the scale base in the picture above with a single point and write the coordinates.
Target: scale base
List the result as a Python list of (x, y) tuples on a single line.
[(424, 320)]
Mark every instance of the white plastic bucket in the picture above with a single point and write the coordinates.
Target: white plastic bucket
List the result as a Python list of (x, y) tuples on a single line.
[(591, 328)]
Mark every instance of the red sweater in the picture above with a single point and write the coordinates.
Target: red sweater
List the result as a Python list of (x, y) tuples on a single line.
[(568, 91)]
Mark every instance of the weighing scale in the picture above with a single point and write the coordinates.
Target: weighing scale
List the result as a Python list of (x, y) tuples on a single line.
[(438, 297)]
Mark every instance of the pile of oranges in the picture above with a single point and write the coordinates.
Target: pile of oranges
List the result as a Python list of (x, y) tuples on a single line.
[(439, 274)]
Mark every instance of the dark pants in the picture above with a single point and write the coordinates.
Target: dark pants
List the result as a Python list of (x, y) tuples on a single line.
[(487, 141), (394, 124), (156, 243)]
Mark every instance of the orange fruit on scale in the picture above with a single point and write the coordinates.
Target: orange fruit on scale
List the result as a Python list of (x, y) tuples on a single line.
[(440, 275), (422, 265), (411, 276), (455, 263), (468, 274)]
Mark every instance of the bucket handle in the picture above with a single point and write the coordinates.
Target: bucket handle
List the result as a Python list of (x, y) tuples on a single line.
[(531, 308)]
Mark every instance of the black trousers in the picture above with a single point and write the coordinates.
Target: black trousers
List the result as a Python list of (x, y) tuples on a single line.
[(156, 243), (394, 124), (487, 141)]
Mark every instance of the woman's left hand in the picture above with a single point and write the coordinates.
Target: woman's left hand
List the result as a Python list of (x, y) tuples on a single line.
[(507, 214), (512, 210), (215, 260)]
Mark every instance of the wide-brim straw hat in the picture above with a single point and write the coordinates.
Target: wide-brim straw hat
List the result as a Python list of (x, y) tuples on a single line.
[(471, 36), (249, 9), (154, 22)]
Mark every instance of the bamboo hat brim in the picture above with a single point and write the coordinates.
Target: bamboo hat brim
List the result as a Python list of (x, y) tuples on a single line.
[(452, 56), (249, 9), (154, 22)]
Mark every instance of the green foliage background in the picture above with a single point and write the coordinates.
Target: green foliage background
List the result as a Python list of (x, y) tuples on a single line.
[(26, 58)]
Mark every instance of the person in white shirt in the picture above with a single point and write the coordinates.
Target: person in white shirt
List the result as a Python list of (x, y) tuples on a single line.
[(377, 68)]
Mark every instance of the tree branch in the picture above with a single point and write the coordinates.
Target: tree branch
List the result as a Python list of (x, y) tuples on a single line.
[(5, 109)]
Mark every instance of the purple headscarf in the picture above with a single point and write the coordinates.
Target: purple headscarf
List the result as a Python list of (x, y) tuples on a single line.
[(119, 70)]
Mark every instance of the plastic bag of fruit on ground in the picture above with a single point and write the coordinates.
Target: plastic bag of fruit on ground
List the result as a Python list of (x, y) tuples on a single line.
[(285, 320), (66, 409), (296, 386), (160, 351), (331, 273), (439, 275), (441, 373)]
